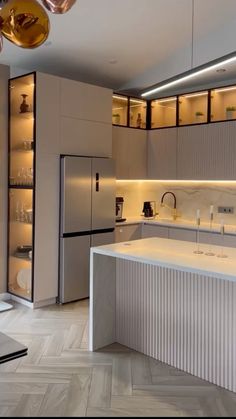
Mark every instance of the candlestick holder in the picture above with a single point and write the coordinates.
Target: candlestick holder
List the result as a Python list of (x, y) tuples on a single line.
[(222, 254), (209, 252), (198, 251)]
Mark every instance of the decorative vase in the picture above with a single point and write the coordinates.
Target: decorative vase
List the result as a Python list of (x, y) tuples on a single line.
[(24, 107), (229, 114)]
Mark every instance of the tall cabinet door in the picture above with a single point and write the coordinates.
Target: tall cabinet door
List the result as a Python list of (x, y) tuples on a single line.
[(103, 193), (75, 194)]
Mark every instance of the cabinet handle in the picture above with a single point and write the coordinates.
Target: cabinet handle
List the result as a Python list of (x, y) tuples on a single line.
[(97, 182)]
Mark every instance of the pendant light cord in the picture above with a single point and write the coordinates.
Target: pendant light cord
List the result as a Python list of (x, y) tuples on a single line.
[(192, 33)]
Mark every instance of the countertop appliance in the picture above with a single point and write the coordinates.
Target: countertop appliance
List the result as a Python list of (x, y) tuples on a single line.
[(149, 209), (119, 209), (87, 218)]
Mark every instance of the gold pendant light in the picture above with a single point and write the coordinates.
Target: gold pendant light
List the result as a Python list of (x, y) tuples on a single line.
[(58, 6), (25, 23)]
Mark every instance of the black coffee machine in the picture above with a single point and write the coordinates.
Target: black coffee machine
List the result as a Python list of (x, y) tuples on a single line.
[(119, 209), (149, 209)]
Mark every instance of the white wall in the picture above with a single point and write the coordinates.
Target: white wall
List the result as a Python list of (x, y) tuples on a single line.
[(4, 75)]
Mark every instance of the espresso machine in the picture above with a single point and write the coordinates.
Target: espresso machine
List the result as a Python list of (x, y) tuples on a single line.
[(119, 209)]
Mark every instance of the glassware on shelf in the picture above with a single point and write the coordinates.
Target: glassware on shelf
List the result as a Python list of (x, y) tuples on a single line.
[(28, 145), (22, 213), (198, 251), (209, 252), (222, 232), (18, 211)]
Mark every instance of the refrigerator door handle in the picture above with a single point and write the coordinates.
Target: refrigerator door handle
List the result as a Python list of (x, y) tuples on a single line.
[(97, 182)]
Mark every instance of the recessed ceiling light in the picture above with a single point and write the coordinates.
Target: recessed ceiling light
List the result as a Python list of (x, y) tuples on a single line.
[(221, 70), (47, 43), (112, 61)]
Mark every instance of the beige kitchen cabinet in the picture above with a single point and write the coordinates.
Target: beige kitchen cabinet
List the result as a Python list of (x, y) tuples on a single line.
[(182, 234), (207, 152), (127, 232), (161, 150), (216, 239), (129, 149), (67, 119), (152, 230)]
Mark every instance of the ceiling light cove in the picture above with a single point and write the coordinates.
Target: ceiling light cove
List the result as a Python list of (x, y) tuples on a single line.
[(213, 65)]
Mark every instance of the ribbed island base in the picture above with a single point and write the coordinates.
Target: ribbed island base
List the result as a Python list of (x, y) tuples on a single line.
[(157, 297)]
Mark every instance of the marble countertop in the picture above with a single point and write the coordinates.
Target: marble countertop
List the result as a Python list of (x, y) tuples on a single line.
[(181, 223), (175, 254)]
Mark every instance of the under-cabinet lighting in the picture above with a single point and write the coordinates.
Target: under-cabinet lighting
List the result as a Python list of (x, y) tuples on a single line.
[(226, 182), (193, 74), (120, 98), (170, 99), (226, 89), (195, 94)]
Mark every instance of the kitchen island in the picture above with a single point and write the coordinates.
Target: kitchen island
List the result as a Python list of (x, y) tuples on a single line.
[(158, 297)]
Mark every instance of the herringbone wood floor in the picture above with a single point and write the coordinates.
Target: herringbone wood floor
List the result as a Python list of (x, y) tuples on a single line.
[(60, 377)]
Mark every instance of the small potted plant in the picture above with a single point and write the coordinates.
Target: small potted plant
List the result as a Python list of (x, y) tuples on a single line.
[(199, 116), (116, 118), (230, 112)]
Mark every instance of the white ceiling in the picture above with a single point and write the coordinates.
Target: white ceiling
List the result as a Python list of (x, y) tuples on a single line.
[(138, 34)]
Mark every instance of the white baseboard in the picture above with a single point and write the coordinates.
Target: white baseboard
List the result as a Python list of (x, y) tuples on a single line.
[(44, 303), (22, 301), (5, 296), (38, 304)]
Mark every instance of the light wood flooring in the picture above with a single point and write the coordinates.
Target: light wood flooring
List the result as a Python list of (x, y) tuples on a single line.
[(60, 377)]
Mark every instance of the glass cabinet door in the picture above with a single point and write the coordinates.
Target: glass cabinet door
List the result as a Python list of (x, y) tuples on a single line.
[(119, 110), (163, 112), (223, 103), (21, 185), (137, 113), (193, 108)]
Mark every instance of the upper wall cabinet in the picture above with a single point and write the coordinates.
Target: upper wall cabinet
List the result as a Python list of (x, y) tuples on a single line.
[(85, 101), (164, 112), (223, 103), (129, 112), (162, 154), (130, 153), (193, 108), (207, 152)]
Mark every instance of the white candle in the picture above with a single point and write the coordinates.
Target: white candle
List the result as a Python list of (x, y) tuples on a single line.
[(211, 209), (222, 227), (198, 213)]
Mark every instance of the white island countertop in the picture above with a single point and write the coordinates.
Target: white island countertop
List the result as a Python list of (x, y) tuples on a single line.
[(175, 254)]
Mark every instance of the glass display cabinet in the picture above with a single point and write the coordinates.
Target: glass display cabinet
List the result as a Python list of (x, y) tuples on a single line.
[(163, 112), (137, 113), (193, 108), (119, 110), (21, 185), (223, 103)]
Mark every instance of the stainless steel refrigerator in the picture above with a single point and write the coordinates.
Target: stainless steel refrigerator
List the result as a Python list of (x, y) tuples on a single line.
[(87, 218)]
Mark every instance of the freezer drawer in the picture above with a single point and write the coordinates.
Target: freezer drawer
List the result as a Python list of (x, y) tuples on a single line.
[(74, 268)]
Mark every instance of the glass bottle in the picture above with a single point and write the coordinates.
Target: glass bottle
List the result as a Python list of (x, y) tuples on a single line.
[(139, 120)]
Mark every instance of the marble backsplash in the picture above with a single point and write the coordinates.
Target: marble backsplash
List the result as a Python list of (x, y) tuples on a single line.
[(190, 196)]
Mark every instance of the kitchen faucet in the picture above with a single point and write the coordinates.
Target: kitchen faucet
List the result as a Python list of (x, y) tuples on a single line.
[(174, 211)]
